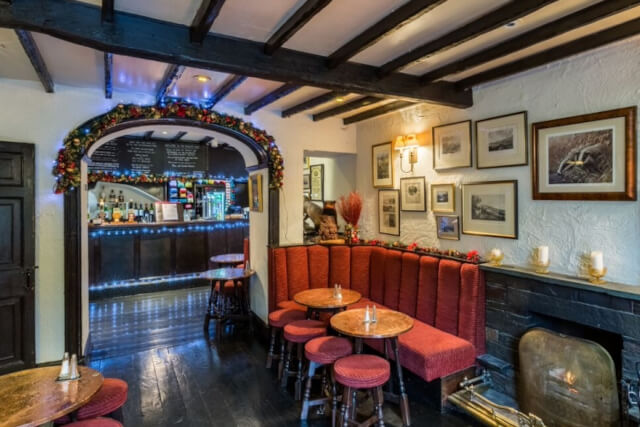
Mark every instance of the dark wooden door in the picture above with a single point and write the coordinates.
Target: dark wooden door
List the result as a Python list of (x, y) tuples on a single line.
[(17, 257)]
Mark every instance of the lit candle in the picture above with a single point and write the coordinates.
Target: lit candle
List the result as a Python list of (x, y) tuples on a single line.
[(597, 261), (496, 253), (543, 254)]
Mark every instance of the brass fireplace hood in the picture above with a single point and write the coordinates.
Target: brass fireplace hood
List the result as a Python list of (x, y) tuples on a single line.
[(564, 380)]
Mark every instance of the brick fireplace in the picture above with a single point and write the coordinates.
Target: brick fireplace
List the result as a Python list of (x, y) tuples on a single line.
[(518, 300)]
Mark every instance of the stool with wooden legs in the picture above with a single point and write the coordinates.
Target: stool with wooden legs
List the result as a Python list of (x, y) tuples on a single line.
[(323, 352), (361, 372), (298, 333), (277, 321)]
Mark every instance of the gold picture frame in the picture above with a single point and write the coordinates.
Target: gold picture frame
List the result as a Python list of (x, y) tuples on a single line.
[(382, 165), (438, 206), (255, 192)]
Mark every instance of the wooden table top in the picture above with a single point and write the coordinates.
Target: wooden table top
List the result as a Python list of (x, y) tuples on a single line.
[(227, 274), (227, 259), (322, 298), (390, 324), (33, 397)]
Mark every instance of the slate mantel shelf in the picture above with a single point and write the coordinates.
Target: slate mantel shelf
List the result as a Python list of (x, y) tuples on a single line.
[(619, 290)]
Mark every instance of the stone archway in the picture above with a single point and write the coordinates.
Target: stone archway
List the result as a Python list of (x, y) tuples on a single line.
[(83, 140)]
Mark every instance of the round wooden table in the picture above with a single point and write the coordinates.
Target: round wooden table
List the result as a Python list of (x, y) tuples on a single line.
[(227, 259), (389, 326), (241, 292), (33, 397), (322, 299)]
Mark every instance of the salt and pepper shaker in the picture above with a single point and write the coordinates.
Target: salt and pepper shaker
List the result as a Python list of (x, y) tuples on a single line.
[(64, 369), (335, 290), (367, 317), (74, 367), (247, 266), (339, 292), (374, 317)]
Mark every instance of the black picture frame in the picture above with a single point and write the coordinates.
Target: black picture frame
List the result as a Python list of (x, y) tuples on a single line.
[(396, 212), (526, 140)]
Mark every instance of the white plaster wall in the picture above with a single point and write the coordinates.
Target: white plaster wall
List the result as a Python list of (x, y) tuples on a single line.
[(605, 79), (31, 115)]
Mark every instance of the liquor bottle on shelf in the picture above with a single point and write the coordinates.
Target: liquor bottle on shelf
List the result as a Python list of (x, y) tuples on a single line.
[(152, 213), (112, 196), (120, 197), (145, 214)]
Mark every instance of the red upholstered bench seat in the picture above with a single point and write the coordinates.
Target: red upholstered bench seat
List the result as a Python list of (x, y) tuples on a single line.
[(445, 297)]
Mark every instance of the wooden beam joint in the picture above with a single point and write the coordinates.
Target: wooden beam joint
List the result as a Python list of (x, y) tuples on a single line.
[(33, 53)]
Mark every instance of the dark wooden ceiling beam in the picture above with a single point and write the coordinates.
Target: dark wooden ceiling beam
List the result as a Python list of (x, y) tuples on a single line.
[(171, 76), (545, 32), (375, 112), (592, 41), (400, 17), (178, 136), (312, 103), (108, 75), (108, 8), (295, 22), (346, 107), (147, 38), (271, 97), (227, 87), (206, 140), (33, 53), (482, 25), (202, 22)]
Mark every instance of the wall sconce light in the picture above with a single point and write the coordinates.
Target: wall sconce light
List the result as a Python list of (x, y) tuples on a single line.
[(407, 143)]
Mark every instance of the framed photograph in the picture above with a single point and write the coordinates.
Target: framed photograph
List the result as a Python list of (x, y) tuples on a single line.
[(306, 182), (413, 194), (448, 227), (255, 191), (382, 165), (443, 198), (317, 182), (389, 212), (502, 141), (490, 209), (452, 146), (588, 157)]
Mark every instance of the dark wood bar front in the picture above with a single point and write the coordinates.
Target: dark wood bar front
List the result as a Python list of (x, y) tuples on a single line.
[(132, 252)]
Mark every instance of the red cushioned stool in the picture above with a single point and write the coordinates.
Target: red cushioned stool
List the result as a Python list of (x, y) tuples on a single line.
[(96, 422), (361, 371), (298, 333), (107, 401), (277, 320), (319, 352)]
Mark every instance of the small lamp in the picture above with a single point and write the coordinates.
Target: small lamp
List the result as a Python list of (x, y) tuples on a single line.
[(407, 143)]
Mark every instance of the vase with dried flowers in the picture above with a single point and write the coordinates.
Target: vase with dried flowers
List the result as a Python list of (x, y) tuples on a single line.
[(349, 208)]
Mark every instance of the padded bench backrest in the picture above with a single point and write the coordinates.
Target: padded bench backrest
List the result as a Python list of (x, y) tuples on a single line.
[(443, 293)]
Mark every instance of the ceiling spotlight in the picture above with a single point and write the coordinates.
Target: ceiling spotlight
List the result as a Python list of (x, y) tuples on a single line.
[(339, 99), (164, 132), (202, 78), (511, 24)]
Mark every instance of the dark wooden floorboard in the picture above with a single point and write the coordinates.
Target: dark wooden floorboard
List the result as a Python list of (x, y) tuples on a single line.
[(180, 376)]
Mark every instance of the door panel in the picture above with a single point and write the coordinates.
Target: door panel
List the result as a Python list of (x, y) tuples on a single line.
[(17, 257)]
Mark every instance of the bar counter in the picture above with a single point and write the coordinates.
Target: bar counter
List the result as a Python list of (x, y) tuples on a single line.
[(135, 251)]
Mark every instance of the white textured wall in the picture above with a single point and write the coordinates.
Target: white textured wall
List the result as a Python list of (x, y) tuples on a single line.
[(31, 115), (596, 81)]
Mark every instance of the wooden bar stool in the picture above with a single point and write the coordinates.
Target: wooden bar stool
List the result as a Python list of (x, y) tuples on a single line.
[(298, 333), (361, 372), (277, 321), (323, 351), (108, 401)]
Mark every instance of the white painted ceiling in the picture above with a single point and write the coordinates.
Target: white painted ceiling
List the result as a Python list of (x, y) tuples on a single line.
[(257, 20)]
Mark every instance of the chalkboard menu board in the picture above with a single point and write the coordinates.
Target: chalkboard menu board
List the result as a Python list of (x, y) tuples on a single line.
[(151, 157)]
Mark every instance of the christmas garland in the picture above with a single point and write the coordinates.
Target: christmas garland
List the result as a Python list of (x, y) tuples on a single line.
[(471, 256), (67, 165)]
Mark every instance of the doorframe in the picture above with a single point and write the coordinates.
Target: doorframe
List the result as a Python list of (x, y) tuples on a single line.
[(73, 224)]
